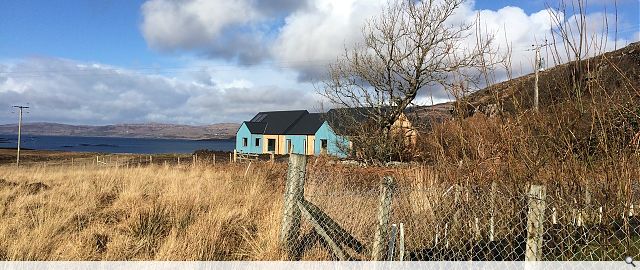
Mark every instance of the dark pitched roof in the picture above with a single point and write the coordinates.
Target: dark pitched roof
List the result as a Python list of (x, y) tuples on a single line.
[(307, 125), (277, 122), (342, 120), (256, 127), (421, 117)]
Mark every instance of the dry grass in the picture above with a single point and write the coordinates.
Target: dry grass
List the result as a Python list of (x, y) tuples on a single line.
[(146, 213), (217, 213)]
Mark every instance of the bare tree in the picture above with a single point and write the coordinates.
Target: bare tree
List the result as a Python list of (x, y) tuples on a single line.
[(412, 46)]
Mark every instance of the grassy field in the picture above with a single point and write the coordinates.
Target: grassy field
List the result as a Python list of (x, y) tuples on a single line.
[(232, 211), (142, 213)]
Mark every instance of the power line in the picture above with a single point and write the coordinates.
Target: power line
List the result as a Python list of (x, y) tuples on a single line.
[(538, 66), (20, 107)]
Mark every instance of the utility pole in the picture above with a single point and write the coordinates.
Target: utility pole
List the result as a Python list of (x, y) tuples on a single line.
[(538, 67), (19, 132)]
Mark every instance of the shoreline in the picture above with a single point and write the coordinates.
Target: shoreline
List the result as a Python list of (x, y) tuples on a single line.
[(5, 140)]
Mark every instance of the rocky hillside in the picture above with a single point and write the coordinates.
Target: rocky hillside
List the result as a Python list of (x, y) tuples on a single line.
[(616, 73)]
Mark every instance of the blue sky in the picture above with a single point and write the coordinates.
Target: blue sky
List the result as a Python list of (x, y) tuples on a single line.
[(198, 61), (102, 31)]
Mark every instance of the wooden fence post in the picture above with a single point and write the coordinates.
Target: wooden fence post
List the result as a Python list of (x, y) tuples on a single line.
[(535, 220), (294, 192), (235, 155), (392, 242), (246, 171), (401, 243), (384, 214), (476, 228), (492, 210), (600, 215)]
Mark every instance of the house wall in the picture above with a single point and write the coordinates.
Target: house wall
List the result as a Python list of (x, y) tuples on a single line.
[(310, 144), (280, 144), (265, 145), (243, 132), (404, 127), (298, 142), (256, 149), (335, 143)]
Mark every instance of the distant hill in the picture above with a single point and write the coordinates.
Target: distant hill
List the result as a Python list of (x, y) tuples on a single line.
[(151, 130)]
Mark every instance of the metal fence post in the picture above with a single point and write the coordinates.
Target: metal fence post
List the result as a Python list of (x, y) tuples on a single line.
[(535, 220), (294, 192), (384, 214)]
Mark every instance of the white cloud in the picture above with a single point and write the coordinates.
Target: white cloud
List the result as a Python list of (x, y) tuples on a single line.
[(299, 37), (97, 94), (191, 24), (233, 30), (322, 31), (314, 33)]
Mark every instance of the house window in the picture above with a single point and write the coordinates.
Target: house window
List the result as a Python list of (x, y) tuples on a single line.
[(323, 145), (245, 142), (289, 146), (271, 145), (257, 141), (304, 142)]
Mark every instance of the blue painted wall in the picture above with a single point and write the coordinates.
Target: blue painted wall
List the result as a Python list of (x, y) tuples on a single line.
[(251, 148), (297, 141), (325, 132)]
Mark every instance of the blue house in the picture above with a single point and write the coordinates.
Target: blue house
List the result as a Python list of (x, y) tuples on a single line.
[(285, 132), (249, 138), (265, 132), (327, 141)]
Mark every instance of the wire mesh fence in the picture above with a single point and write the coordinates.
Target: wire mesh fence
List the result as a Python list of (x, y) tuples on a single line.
[(133, 160), (417, 219)]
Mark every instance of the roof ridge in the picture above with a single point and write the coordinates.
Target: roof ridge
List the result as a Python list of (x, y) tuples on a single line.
[(308, 124), (296, 122), (283, 111)]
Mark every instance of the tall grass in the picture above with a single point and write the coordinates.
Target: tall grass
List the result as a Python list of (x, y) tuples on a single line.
[(218, 212), (146, 213)]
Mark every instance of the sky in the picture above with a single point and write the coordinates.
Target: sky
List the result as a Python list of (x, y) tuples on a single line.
[(201, 62)]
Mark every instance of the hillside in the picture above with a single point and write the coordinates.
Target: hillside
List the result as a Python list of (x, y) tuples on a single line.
[(151, 130), (609, 74), (618, 72)]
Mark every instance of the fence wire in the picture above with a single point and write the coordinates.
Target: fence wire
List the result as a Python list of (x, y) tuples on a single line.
[(416, 220)]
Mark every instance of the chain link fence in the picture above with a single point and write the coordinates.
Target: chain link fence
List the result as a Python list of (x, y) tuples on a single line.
[(421, 218)]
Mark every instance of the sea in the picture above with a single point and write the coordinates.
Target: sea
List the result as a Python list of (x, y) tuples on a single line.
[(114, 144)]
